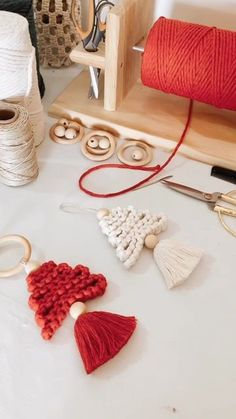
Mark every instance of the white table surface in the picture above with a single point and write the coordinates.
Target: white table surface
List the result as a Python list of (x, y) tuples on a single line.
[(181, 361)]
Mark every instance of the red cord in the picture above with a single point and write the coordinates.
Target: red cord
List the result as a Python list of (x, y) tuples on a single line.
[(154, 169)]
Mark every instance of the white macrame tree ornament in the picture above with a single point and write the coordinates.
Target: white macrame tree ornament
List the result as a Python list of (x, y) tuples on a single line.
[(129, 229)]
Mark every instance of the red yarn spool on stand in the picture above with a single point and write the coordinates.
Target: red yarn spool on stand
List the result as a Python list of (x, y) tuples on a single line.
[(190, 60)]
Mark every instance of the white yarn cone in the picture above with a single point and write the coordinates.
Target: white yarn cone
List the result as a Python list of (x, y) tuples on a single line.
[(176, 261), (18, 75)]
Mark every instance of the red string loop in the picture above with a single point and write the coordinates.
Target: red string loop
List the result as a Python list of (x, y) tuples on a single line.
[(154, 169)]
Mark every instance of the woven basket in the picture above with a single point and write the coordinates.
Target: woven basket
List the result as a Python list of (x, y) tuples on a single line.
[(56, 32)]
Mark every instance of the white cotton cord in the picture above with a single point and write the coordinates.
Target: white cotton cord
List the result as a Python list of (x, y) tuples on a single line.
[(18, 74), (18, 164), (176, 261), (127, 228), (72, 208)]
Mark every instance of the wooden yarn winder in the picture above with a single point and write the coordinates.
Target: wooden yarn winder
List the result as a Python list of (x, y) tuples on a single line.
[(129, 109)]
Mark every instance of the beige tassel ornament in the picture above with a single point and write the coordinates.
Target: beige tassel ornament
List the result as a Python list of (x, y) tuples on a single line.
[(129, 229), (175, 260)]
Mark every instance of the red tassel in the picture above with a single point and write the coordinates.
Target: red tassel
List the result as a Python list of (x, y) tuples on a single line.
[(100, 336)]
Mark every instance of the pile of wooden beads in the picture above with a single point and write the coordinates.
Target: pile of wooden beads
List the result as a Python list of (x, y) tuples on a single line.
[(66, 131), (98, 145)]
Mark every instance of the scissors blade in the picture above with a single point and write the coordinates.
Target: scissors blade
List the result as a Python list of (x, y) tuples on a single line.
[(194, 193), (94, 76)]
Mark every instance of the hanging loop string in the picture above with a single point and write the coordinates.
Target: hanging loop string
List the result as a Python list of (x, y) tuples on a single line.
[(153, 169)]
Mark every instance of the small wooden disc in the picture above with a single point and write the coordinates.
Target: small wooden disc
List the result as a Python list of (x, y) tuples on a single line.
[(139, 144), (63, 140), (27, 253), (97, 154)]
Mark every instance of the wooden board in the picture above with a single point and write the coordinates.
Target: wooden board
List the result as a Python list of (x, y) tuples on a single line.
[(157, 118), (128, 22), (95, 59)]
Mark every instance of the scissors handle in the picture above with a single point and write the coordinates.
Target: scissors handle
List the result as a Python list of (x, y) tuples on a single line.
[(91, 14), (229, 199), (224, 210)]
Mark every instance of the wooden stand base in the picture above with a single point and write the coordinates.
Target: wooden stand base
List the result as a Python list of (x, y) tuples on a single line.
[(157, 118)]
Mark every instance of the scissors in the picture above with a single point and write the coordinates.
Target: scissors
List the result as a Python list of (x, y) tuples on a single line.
[(212, 199), (93, 35)]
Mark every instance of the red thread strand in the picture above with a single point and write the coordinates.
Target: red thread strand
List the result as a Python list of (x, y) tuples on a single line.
[(154, 169)]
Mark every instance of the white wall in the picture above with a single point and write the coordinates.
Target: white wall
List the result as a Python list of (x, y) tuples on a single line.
[(220, 13)]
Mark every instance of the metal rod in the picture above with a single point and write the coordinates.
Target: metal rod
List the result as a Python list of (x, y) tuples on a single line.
[(138, 48)]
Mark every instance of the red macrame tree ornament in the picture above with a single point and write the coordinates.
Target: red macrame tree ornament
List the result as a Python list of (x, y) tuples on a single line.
[(54, 290)]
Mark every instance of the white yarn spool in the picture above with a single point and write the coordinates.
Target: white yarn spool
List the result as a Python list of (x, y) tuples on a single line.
[(18, 81), (18, 164)]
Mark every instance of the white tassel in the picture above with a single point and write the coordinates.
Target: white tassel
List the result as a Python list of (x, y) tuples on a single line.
[(176, 261)]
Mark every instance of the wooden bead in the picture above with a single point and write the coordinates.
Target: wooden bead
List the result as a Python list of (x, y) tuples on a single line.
[(59, 131), (31, 266), (77, 309), (102, 212), (70, 133), (64, 122), (151, 241), (137, 155), (93, 142), (63, 140), (104, 143), (75, 125)]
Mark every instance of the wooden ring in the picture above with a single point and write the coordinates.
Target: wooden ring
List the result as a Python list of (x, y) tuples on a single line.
[(27, 253), (98, 154), (140, 144), (63, 140)]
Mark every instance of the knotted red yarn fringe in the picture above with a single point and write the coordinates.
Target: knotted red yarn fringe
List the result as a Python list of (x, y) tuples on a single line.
[(153, 169), (191, 60), (100, 336), (55, 288)]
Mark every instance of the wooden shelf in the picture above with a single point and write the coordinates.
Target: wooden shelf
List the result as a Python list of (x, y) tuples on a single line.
[(95, 59), (157, 118)]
